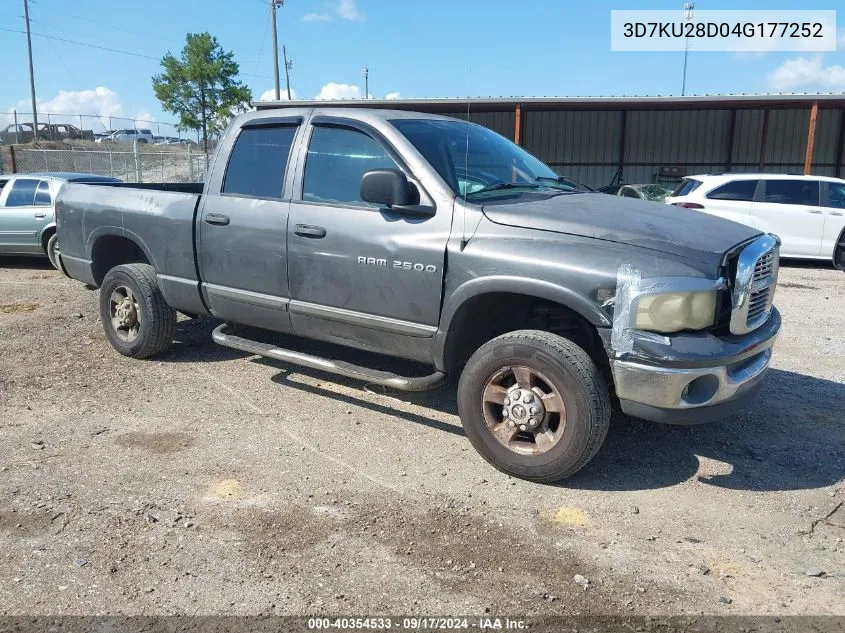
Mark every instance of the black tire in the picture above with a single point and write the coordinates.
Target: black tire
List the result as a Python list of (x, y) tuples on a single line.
[(156, 320), (570, 371), (51, 248)]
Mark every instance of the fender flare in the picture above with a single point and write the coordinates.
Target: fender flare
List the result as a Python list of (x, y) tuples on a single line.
[(116, 231), (516, 285)]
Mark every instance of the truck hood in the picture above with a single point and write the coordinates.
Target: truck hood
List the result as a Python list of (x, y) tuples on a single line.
[(669, 229)]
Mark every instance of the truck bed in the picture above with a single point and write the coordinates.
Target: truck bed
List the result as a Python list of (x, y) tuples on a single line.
[(158, 217)]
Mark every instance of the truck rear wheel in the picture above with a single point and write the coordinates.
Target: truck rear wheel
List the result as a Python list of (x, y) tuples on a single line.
[(534, 405), (136, 318)]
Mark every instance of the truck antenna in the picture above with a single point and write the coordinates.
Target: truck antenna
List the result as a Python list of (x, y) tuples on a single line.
[(464, 238)]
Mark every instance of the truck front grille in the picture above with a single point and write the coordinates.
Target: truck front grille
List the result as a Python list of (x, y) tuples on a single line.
[(754, 286)]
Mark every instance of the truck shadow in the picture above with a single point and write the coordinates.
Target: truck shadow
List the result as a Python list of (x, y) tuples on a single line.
[(791, 438)]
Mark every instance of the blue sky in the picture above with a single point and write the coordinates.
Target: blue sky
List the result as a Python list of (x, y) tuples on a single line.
[(416, 48)]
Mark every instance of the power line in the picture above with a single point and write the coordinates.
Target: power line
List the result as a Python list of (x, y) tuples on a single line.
[(102, 48), (73, 16)]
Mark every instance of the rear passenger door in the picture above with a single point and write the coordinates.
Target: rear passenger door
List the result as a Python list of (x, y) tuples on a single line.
[(25, 208), (242, 247), (791, 209)]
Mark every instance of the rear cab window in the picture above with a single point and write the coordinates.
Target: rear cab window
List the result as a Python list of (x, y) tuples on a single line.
[(258, 162), (738, 190), (792, 191), (687, 186)]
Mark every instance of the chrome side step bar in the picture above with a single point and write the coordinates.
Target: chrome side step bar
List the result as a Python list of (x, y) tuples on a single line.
[(374, 376)]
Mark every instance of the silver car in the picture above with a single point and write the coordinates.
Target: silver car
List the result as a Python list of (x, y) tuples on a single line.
[(28, 211)]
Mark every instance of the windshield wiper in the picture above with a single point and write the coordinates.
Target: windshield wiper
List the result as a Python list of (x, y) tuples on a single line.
[(498, 186), (564, 181)]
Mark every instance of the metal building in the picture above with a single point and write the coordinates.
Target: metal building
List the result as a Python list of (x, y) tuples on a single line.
[(604, 140)]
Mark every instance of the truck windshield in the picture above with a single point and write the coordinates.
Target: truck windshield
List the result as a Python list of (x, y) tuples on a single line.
[(475, 161)]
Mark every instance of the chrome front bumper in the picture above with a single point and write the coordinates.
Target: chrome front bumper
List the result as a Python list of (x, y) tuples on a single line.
[(687, 387)]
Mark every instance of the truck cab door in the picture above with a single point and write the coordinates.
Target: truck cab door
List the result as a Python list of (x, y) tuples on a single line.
[(241, 247), (25, 208), (361, 275)]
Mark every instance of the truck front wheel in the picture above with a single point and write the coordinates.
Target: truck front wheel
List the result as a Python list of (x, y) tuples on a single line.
[(136, 318), (534, 405)]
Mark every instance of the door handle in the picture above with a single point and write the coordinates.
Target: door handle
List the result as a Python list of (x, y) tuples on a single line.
[(217, 218), (307, 230), (40, 216), (815, 211)]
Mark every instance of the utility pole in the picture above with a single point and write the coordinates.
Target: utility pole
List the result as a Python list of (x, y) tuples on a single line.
[(274, 4), (31, 71), (288, 66), (366, 83), (689, 14)]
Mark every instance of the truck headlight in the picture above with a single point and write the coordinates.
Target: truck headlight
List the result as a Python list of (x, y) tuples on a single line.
[(676, 311)]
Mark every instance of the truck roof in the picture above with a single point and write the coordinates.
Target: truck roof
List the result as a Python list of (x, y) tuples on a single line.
[(360, 114)]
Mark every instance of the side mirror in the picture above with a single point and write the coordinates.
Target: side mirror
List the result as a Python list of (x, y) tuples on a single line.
[(389, 187)]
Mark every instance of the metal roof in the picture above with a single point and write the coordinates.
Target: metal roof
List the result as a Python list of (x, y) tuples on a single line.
[(457, 104)]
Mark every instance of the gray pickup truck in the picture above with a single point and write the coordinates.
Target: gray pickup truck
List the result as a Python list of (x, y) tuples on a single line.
[(431, 239)]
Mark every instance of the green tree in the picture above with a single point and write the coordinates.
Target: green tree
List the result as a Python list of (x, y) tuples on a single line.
[(202, 87)]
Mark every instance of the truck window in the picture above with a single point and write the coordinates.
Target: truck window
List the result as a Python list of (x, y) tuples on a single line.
[(805, 192), (22, 193), (258, 162), (742, 190), (337, 160)]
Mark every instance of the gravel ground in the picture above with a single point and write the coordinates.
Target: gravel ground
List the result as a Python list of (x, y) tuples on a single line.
[(208, 481)]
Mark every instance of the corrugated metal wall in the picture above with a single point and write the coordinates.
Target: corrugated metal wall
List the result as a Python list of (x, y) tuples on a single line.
[(586, 144), (501, 122), (581, 144)]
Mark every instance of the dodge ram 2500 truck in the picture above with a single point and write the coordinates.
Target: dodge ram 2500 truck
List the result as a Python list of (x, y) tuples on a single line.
[(432, 239)]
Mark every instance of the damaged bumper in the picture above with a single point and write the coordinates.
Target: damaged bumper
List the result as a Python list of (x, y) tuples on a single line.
[(693, 378)]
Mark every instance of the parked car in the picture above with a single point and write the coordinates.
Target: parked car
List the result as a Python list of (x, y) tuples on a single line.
[(654, 192), (128, 136), (63, 132), (806, 212), (359, 227), (28, 211)]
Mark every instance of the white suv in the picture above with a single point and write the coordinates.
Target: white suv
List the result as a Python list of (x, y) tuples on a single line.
[(131, 136), (806, 212)]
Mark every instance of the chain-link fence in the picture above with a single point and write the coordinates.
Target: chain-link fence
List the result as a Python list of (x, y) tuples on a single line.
[(129, 166), (17, 127)]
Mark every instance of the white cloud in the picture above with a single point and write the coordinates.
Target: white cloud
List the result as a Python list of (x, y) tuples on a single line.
[(334, 90), (316, 17), (392, 95), (101, 101), (348, 10), (808, 73), (270, 95), (100, 107)]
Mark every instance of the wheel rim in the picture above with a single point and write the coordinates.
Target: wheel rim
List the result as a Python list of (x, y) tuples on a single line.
[(523, 410), (124, 313)]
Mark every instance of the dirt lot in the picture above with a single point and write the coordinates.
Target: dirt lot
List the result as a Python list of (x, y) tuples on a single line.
[(208, 481)]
